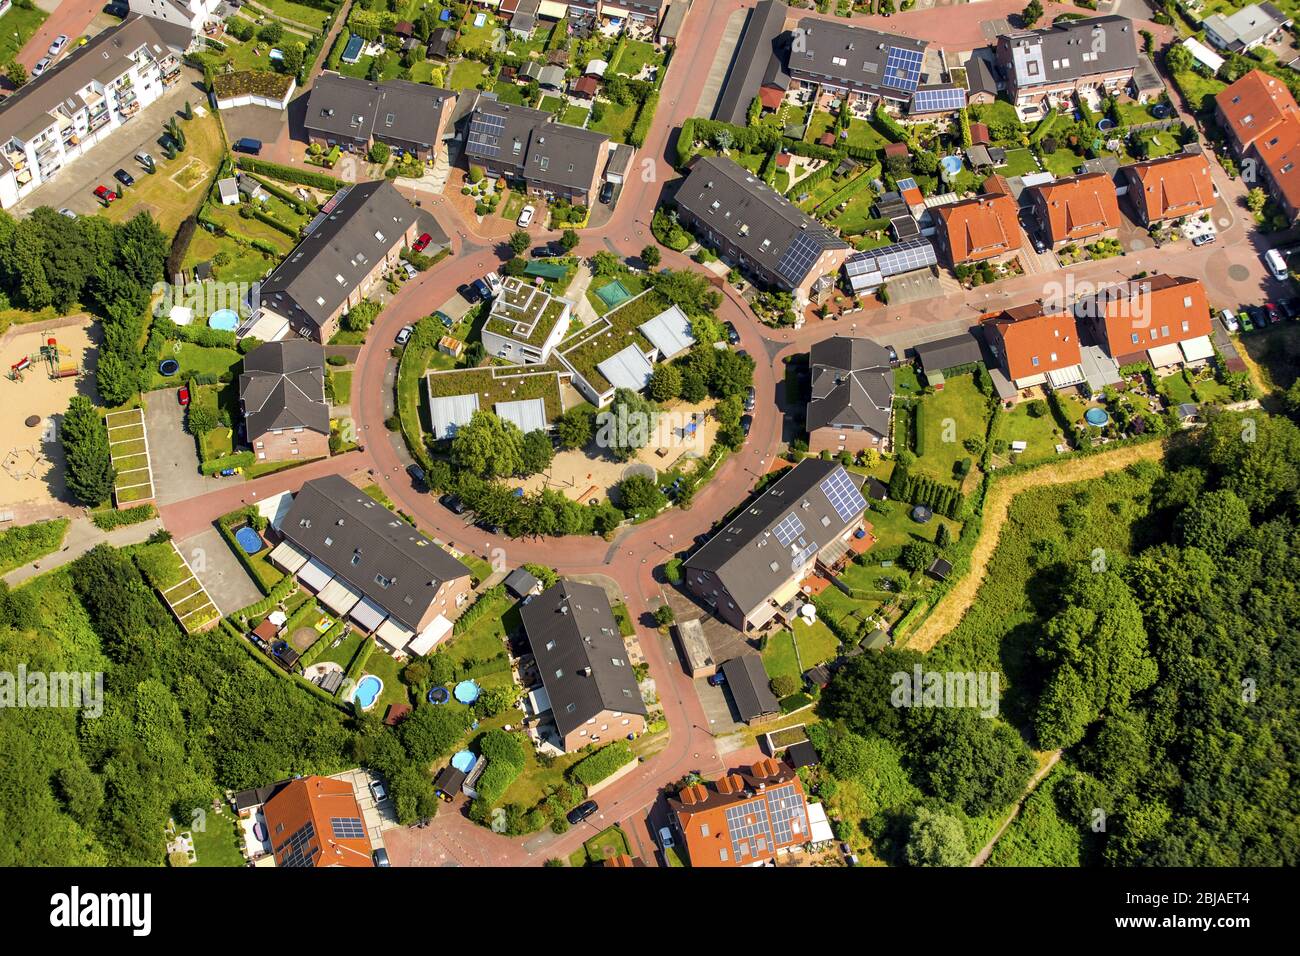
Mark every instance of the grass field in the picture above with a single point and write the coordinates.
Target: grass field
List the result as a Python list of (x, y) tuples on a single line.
[(466, 75), (574, 115), (636, 56), (1020, 162), (163, 196), (945, 420), (1041, 434), (615, 121), (19, 26)]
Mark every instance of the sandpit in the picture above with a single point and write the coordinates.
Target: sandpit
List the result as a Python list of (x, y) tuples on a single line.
[(31, 454), (579, 476)]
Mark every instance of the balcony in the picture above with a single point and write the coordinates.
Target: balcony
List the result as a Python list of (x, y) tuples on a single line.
[(99, 121), (171, 70)]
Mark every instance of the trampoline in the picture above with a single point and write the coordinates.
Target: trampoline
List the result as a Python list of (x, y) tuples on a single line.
[(224, 320), (1096, 416), (922, 513), (466, 691), (438, 695), (952, 164), (1105, 124), (463, 760), (368, 691), (168, 367), (613, 293), (249, 540)]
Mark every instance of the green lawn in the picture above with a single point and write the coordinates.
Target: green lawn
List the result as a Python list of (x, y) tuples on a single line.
[(508, 92), (574, 115), (1042, 434), (479, 650), (217, 844), (19, 25), (1198, 90), (297, 12), (778, 656), (195, 360), (551, 103), (1020, 162), (605, 844), (615, 120), (466, 75), (474, 38), (636, 55), (1061, 163), (945, 420), (167, 194), (816, 643), (340, 387)]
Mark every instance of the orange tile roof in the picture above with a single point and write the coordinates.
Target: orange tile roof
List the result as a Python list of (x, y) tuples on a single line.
[(318, 801), (1279, 152), (913, 196), (1254, 105), (1144, 313), (748, 798), (980, 228), (771, 97), (1079, 207), (1173, 186), (1033, 343)]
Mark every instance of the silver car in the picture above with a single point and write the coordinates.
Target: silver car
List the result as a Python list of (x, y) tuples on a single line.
[(57, 46), (41, 66)]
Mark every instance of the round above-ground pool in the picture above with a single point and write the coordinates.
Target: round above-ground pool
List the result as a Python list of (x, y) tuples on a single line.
[(168, 367), (951, 163), (249, 540), (1096, 416), (226, 320), (466, 691), (259, 831), (1105, 124), (462, 760), (438, 695), (922, 513), (368, 690)]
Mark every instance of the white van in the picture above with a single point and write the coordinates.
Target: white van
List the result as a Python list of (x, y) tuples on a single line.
[(1276, 264)]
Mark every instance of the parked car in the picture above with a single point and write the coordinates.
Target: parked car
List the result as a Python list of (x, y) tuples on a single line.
[(581, 812), (1204, 239), (717, 679), (525, 217), (444, 318), (404, 334), (469, 292), (732, 335), (1243, 318), (183, 395), (117, 9), (57, 46), (248, 145), (146, 160), (377, 791), (493, 282), (1290, 308), (41, 66), (1229, 320), (410, 270), (746, 422), (1258, 315), (1274, 316), (481, 290), (666, 838), (751, 399), (423, 242), (416, 473), (125, 178), (104, 194), (453, 504), (893, 354), (607, 193), (65, 211), (380, 857)]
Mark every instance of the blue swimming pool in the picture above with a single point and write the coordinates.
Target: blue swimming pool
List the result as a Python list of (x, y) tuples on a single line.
[(227, 320), (438, 695), (1096, 416), (368, 690), (466, 692), (462, 760), (249, 540), (951, 163)]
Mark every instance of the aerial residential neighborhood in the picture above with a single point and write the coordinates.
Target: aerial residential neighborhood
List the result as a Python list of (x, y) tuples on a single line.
[(650, 434)]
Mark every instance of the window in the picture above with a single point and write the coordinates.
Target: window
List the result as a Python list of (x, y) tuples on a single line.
[(704, 829), (1186, 326), (1034, 361), (550, 645), (1135, 338), (559, 673)]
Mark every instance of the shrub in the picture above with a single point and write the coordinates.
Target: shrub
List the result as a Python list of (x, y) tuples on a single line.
[(603, 763), (108, 520), (784, 685)]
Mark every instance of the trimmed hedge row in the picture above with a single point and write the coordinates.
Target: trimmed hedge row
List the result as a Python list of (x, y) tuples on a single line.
[(289, 174), (505, 762), (240, 459), (108, 520), (479, 608), (605, 762)]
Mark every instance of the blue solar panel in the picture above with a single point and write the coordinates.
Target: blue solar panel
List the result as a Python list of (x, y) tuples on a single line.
[(789, 529), (905, 184), (938, 100), (903, 69), (843, 494)]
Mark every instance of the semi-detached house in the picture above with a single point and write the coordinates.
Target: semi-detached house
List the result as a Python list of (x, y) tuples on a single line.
[(1045, 68), (1262, 121), (355, 114)]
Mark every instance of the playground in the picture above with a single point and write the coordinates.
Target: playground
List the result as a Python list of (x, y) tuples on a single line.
[(581, 476), (44, 368)]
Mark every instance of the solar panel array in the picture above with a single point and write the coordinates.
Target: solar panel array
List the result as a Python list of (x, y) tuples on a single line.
[(940, 100), (801, 556), (742, 828), (905, 184), (786, 809), (300, 854), (798, 259), (906, 256), (843, 494), (347, 828), (903, 69), (485, 135), (789, 529)]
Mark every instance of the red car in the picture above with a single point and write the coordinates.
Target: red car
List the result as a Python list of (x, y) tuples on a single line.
[(422, 242), (183, 395), (105, 194), (1273, 315)]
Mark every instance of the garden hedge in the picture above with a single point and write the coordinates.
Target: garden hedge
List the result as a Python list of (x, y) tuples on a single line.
[(289, 174), (603, 763)]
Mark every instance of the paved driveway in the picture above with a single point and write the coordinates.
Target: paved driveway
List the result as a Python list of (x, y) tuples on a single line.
[(217, 568), (172, 451), (259, 122)]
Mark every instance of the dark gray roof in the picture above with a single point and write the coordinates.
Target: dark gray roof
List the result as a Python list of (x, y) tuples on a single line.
[(762, 223), (359, 109), (852, 384), (369, 547), (520, 582), (440, 43), (857, 57), (256, 796), (960, 349), (361, 229), (1068, 50), (548, 151), (980, 77), (580, 654), (749, 556), (283, 386), (802, 754), (31, 109), (748, 683), (449, 780), (759, 58)]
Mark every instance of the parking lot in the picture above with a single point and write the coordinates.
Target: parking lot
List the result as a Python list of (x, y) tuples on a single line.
[(73, 186)]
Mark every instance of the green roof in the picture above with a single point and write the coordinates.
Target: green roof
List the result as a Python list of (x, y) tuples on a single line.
[(501, 383), (524, 313), (611, 334)]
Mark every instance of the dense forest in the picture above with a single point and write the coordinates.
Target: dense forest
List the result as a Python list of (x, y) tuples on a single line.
[(1147, 625)]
